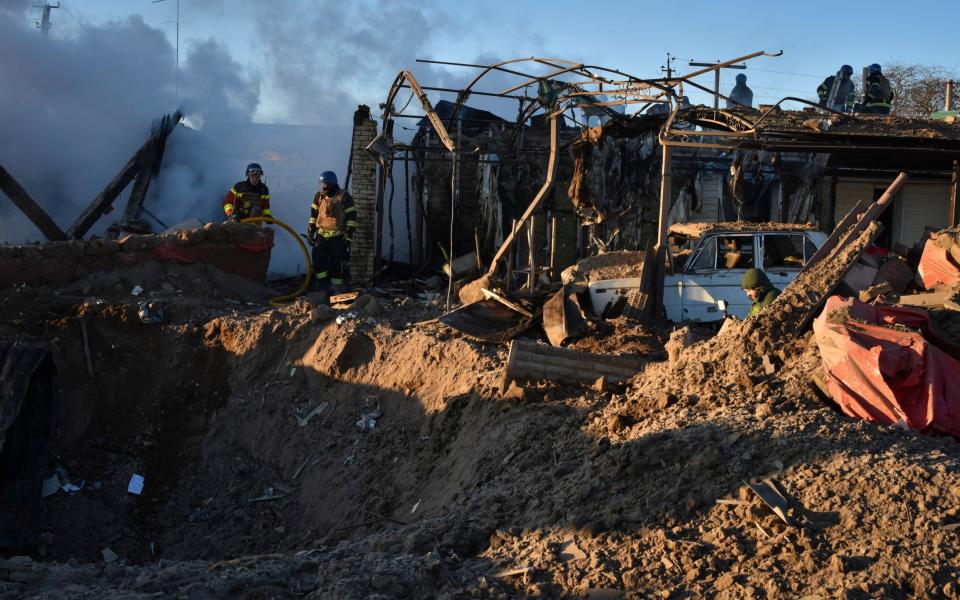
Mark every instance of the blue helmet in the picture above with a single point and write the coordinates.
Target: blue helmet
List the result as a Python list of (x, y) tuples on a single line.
[(846, 70), (741, 78), (328, 178), (874, 69), (254, 168)]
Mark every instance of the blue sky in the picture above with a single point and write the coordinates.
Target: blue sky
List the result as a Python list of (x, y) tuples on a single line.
[(816, 37), (84, 97)]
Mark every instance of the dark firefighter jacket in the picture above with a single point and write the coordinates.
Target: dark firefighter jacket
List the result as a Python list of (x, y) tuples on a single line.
[(878, 92), (247, 200)]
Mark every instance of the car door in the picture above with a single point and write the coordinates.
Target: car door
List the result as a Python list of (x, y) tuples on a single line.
[(783, 255), (716, 273)]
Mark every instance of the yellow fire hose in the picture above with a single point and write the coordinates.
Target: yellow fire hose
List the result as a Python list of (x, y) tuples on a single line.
[(306, 254)]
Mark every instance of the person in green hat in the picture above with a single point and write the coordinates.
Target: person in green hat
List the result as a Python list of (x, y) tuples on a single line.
[(759, 289)]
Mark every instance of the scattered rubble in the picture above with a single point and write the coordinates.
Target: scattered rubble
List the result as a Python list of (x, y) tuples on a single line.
[(542, 489)]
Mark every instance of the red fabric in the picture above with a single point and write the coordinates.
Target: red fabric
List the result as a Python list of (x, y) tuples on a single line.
[(892, 376), (937, 266), (192, 254)]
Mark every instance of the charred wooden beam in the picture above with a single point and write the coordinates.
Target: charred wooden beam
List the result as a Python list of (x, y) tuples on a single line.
[(102, 204), (29, 207), (151, 166), (143, 160)]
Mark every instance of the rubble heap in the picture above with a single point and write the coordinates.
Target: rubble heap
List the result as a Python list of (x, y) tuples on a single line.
[(365, 450)]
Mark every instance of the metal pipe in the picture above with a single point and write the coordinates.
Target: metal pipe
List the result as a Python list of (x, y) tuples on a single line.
[(541, 194), (459, 64), (553, 249), (472, 93), (531, 254), (954, 217), (415, 86), (728, 63)]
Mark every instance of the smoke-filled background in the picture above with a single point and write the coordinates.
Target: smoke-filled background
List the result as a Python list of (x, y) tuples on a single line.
[(277, 86), (277, 81)]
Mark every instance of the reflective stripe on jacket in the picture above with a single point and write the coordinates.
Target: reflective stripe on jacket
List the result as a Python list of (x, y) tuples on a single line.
[(333, 215), (247, 200)]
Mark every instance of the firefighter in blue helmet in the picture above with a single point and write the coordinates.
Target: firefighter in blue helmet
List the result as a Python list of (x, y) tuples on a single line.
[(877, 94), (845, 95), (333, 220), (248, 198)]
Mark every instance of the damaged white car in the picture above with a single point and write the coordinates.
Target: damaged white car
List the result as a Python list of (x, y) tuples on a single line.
[(706, 264)]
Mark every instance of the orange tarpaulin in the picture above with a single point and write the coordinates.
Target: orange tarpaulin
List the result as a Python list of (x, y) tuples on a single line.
[(938, 263), (905, 375)]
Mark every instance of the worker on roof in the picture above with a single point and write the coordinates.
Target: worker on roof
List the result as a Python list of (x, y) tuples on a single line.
[(877, 94), (759, 289), (248, 198), (333, 219), (741, 95), (844, 96)]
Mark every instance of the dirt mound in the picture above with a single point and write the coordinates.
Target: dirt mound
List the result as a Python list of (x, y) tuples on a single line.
[(612, 265), (311, 452)]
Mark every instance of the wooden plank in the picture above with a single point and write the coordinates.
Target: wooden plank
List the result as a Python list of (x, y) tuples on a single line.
[(876, 209), (834, 238), (141, 184), (151, 166), (33, 211)]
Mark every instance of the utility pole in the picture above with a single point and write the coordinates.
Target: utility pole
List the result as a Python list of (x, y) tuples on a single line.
[(716, 78), (669, 69), (176, 80), (44, 24), (949, 101)]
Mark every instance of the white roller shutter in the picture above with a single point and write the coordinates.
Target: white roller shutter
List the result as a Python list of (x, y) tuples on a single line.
[(923, 205), (710, 190), (848, 194)]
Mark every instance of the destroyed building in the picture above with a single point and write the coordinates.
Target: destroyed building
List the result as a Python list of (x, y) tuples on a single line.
[(174, 424)]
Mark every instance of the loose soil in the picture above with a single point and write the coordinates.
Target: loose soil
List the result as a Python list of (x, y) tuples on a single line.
[(463, 489)]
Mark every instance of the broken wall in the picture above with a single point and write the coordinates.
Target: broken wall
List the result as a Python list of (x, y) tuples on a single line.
[(363, 182), (231, 247)]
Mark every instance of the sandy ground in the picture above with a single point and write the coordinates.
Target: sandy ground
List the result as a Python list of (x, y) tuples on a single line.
[(460, 489)]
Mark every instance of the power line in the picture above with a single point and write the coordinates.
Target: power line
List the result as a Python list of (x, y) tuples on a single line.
[(788, 73), (72, 16)]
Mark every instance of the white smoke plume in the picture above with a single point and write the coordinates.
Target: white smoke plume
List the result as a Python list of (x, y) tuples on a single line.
[(77, 105)]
